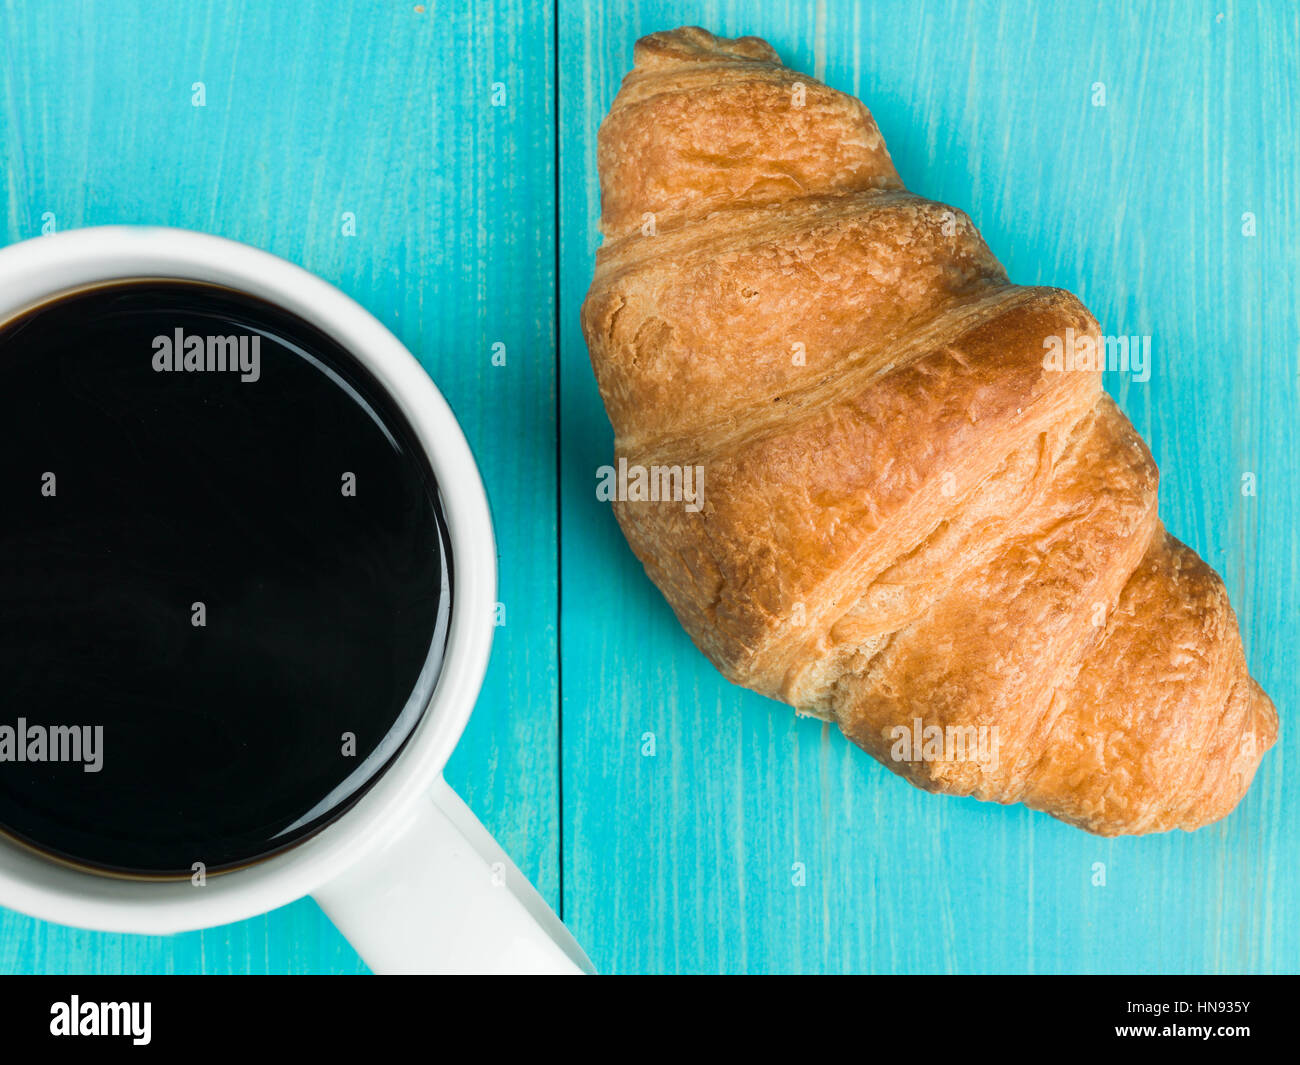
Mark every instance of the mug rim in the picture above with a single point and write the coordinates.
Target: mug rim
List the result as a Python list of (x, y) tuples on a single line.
[(42, 268)]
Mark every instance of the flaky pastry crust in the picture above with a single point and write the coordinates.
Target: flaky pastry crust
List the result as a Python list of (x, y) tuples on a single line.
[(909, 520)]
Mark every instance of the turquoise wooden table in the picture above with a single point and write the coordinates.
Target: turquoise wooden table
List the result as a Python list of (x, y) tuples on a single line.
[(1145, 156)]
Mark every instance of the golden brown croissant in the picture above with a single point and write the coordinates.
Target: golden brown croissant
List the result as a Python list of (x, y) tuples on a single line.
[(913, 520)]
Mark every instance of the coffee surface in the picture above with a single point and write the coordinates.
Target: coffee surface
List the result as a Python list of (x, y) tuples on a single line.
[(224, 583)]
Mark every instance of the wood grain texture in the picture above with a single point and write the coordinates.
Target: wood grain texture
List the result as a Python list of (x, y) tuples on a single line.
[(686, 860), (753, 841), (313, 110)]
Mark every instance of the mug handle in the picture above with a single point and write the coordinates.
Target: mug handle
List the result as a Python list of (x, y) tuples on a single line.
[(441, 896)]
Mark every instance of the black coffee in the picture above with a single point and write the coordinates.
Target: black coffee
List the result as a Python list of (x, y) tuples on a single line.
[(224, 578)]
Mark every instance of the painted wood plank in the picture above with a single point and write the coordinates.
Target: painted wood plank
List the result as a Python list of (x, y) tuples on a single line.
[(313, 110), (683, 860), (689, 858)]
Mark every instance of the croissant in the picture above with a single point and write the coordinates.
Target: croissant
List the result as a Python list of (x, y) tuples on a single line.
[(904, 512)]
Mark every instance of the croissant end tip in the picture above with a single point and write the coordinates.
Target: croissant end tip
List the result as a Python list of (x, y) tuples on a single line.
[(692, 44)]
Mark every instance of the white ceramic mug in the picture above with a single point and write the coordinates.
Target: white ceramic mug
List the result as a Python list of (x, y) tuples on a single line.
[(408, 874)]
